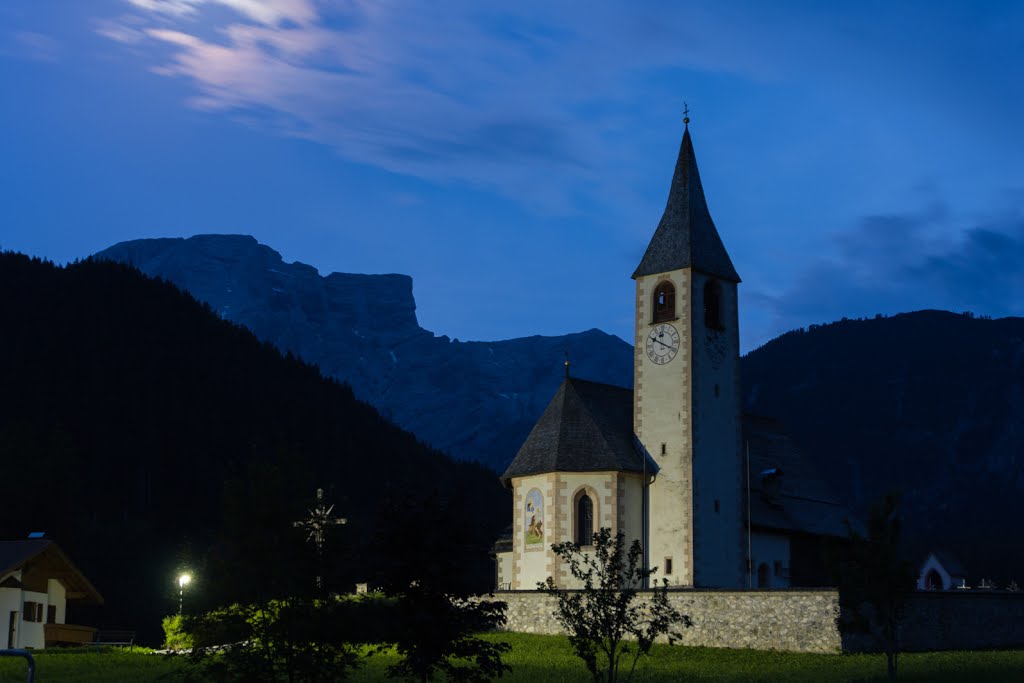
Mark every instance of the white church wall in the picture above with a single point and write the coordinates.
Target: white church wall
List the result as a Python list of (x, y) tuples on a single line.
[(717, 474), (533, 505), (617, 500), (661, 408), (503, 570), (771, 551), (631, 505)]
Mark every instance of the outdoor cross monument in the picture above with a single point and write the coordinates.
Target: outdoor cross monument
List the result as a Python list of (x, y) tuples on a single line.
[(317, 523)]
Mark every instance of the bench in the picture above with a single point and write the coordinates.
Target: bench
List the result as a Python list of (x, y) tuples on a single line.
[(122, 638)]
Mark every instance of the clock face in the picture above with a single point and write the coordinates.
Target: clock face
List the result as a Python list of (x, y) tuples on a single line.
[(662, 344)]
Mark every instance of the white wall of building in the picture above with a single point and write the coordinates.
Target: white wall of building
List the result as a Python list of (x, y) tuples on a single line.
[(772, 551), (57, 596), (10, 601), (32, 632)]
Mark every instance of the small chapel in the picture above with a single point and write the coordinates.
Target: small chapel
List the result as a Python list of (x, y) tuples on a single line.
[(717, 498)]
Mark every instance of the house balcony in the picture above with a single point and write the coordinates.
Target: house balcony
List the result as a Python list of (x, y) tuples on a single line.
[(68, 634)]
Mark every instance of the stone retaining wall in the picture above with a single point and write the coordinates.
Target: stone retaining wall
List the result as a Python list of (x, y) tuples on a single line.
[(793, 620), (807, 620)]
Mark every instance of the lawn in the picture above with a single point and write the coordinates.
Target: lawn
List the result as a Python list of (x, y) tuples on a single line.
[(536, 659)]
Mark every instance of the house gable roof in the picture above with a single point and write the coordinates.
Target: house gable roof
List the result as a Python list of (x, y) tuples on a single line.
[(587, 427), (45, 557), (686, 236)]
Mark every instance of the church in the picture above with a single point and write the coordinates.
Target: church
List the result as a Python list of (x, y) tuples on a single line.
[(717, 498)]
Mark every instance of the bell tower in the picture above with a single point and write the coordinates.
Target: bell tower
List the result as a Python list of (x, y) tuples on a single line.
[(686, 397)]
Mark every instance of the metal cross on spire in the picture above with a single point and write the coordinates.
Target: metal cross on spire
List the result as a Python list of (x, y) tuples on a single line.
[(686, 113), (317, 524)]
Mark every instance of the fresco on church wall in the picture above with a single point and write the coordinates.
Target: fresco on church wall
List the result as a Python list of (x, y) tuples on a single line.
[(534, 518)]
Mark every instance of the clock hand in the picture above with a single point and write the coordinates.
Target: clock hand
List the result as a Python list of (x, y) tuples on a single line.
[(661, 342)]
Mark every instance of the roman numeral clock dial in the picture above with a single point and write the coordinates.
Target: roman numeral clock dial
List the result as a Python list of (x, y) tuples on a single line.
[(662, 344)]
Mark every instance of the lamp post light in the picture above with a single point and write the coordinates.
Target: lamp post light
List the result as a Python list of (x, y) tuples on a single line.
[(184, 579)]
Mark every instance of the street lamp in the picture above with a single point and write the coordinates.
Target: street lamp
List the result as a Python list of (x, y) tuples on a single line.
[(184, 579)]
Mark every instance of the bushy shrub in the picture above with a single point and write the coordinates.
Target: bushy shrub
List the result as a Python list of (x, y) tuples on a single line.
[(301, 640), (175, 636)]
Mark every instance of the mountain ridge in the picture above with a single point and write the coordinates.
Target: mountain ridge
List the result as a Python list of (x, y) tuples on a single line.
[(362, 329)]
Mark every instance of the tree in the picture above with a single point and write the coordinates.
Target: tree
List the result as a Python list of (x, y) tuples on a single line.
[(437, 634), (605, 614), (431, 546), (875, 580)]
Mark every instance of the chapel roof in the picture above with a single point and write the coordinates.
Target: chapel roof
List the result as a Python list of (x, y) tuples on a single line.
[(587, 427), (686, 236), (44, 556)]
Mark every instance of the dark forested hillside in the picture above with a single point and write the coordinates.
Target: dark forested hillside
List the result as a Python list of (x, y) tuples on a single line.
[(144, 433), (930, 403)]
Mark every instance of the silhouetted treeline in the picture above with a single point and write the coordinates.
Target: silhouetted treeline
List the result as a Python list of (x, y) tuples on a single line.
[(144, 433)]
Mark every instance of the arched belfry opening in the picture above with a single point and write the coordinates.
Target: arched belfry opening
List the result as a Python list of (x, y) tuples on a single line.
[(713, 318), (664, 302)]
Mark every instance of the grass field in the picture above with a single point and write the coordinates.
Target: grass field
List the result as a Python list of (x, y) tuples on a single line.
[(536, 659)]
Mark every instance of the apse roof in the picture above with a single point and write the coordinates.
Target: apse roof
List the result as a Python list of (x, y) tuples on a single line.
[(587, 427)]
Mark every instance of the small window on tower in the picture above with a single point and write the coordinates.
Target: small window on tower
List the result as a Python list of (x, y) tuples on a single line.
[(664, 302), (713, 305), (668, 566)]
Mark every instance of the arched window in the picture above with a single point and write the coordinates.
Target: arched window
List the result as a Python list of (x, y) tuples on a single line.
[(713, 305), (762, 576), (932, 581), (664, 302), (584, 520)]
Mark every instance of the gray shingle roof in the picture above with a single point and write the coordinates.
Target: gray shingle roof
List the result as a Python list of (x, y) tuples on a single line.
[(587, 427), (806, 504), (686, 236)]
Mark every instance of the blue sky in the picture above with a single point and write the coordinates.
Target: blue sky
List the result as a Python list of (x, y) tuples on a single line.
[(858, 158)]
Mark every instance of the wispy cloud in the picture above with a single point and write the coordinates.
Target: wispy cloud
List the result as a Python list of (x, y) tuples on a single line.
[(37, 47), (448, 91)]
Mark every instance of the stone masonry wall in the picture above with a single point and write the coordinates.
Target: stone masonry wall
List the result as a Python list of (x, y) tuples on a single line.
[(797, 621), (807, 620)]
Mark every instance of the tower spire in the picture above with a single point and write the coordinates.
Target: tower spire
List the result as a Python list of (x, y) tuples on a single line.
[(686, 236)]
